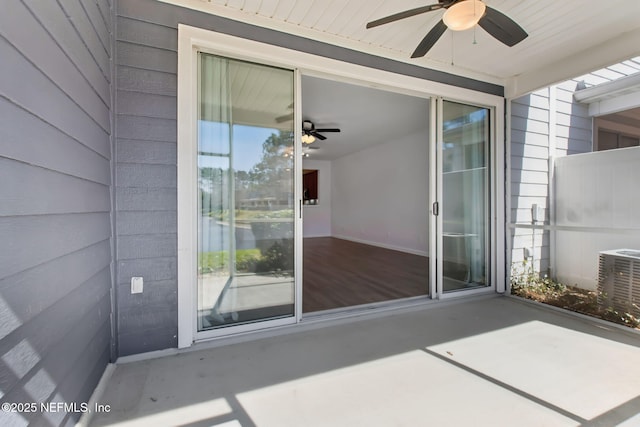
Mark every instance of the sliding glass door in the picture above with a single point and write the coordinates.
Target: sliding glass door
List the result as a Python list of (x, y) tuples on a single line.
[(464, 195), (246, 170)]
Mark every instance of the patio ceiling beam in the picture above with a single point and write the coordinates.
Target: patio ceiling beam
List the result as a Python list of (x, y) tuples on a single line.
[(612, 51), (610, 89)]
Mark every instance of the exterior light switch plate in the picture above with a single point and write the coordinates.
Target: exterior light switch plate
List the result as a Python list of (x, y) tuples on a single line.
[(136, 285)]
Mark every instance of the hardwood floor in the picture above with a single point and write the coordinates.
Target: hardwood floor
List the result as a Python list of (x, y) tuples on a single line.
[(340, 273)]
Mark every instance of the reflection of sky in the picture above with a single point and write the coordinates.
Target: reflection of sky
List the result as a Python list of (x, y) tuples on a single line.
[(247, 144), (476, 116)]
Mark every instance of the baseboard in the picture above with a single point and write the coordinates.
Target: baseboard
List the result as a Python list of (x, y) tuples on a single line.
[(147, 355), (382, 245), (97, 394)]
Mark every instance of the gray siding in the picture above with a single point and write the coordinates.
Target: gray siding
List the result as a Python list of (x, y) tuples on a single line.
[(146, 192), (531, 118), (573, 123), (529, 175), (55, 203), (146, 204)]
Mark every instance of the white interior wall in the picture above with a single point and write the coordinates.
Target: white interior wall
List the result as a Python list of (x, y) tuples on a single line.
[(380, 195), (317, 218)]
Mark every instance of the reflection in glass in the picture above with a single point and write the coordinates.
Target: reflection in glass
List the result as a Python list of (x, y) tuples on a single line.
[(245, 181), (465, 196)]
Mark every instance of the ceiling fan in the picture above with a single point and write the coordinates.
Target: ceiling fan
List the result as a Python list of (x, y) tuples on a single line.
[(310, 132), (461, 15)]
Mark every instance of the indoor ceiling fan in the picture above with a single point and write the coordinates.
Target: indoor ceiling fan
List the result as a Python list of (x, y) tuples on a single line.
[(461, 15), (310, 132)]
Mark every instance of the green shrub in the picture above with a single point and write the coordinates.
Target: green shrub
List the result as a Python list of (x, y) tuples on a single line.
[(246, 259)]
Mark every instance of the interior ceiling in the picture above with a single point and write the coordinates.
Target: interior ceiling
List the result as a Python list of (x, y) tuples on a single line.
[(365, 116), (557, 29)]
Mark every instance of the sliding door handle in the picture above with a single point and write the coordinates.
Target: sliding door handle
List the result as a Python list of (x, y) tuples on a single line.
[(435, 208)]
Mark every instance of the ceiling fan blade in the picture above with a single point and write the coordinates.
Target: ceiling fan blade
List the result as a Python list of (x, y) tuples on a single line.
[(328, 130), (502, 27), (285, 118), (317, 135), (405, 14), (430, 39)]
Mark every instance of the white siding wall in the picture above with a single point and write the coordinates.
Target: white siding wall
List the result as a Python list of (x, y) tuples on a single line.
[(529, 175), (547, 123), (574, 125)]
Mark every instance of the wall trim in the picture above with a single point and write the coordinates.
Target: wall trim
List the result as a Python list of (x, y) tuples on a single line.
[(380, 245)]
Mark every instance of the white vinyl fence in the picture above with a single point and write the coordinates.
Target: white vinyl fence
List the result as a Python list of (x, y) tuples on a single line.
[(597, 204)]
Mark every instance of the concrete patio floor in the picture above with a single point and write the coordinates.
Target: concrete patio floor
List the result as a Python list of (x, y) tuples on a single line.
[(491, 361)]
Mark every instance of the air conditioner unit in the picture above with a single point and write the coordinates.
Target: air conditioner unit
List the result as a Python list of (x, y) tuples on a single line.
[(619, 280)]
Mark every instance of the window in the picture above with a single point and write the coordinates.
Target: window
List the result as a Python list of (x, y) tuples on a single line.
[(609, 140)]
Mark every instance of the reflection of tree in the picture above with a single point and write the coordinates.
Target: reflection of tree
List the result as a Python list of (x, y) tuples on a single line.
[(263, 202), (211, 183), (271, 177)]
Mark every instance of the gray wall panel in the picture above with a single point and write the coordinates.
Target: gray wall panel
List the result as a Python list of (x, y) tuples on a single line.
[(105, 11), (148, 340), (18, 290), (162, 292), (77, 15), (147, 34), (31, 195), (148, 58), (97, 21), (56, 108), (148, 317), (48, 330), (32, 240), (28, 36), (146, 199), (52, 17), (152, 269), (132, 223), (55, 203), (146, 81), (146, 152), (146, 246), (147, 105), (21, 139), (146, 175), (147, 128)]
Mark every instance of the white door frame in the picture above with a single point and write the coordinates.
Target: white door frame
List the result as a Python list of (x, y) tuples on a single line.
[(191, 40), (496, 217)]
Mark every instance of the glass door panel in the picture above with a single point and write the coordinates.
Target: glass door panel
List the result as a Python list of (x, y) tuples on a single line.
[(465, 196), (246, 193)]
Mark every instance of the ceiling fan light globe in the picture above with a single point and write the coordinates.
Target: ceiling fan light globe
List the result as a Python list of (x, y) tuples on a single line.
[(305, 138), (311, 138), (464, 15)]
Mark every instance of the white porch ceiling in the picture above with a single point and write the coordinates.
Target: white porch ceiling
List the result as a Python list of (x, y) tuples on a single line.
[(566, 37)]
